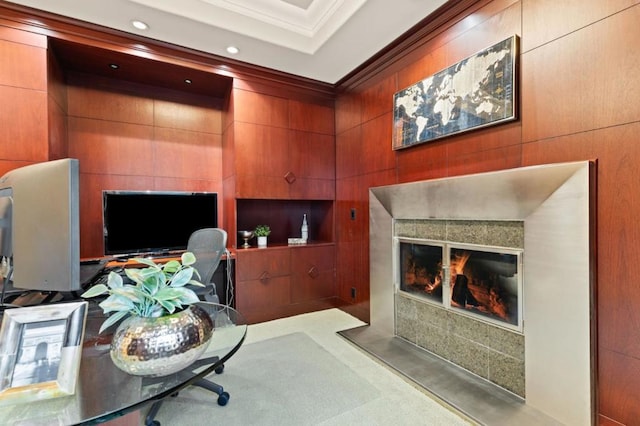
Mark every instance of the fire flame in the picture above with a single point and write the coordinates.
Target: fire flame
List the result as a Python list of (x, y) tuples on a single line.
[(457, 265)]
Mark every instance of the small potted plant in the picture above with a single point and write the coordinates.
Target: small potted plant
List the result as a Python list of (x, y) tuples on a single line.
[(262, 232), (158, 309)]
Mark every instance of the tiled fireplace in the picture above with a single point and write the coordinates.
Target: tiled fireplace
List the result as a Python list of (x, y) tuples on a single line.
[(519, 313), (460, 294)]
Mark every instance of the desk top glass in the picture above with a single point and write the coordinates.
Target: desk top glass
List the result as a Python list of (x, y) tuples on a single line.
[(104, 392)]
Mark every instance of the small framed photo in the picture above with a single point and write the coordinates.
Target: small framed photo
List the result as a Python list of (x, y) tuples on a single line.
[(40, 351)]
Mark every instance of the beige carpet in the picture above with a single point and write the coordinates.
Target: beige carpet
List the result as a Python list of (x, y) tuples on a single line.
[(298, 371)]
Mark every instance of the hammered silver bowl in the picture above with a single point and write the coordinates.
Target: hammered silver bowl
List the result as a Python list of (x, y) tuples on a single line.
[(161, 346)]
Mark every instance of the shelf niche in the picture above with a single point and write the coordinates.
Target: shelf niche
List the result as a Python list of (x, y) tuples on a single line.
[(285, 218)]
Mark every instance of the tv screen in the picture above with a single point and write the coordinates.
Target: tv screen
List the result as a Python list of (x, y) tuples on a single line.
[(153, 222)]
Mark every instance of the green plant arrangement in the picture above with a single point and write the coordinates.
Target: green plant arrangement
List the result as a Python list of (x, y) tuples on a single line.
[(262, 231), (159, 290)]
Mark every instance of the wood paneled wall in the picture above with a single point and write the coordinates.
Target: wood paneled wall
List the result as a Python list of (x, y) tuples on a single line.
[(134, 137), (23, 80), (579, 79)]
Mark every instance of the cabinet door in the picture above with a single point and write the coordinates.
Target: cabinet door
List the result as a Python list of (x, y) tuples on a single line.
[(312, 162), (263, 280), (262, 295), (261, 161), (312, 273), (256, 264)]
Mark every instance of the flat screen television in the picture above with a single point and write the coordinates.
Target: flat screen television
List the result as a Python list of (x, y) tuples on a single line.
[(40, 226), (154, 222)]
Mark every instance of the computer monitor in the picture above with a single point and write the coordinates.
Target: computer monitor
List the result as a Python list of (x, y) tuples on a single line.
[(39, 225)]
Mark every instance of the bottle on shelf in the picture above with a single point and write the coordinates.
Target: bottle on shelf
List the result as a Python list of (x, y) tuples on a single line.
[(305, 229)]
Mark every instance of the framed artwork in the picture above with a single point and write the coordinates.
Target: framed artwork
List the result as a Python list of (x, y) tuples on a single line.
[(40, 351), (476, 92)]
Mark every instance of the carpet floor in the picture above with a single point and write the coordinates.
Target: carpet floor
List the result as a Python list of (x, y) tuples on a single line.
[(298, 371)]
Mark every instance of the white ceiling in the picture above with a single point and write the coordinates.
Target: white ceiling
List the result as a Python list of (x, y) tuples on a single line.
[(319, 39)]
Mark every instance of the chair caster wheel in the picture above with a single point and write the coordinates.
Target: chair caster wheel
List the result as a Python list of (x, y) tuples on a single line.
[(219, 369), (223, 398)]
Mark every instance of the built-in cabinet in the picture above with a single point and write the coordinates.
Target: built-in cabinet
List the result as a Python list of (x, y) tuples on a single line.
[(280, 149), (280, 281)]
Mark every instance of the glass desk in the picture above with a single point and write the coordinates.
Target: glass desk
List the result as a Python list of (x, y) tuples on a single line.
[(104, 392)]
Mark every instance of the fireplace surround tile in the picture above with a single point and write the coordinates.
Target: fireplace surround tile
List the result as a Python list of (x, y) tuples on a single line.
[(507, 372)]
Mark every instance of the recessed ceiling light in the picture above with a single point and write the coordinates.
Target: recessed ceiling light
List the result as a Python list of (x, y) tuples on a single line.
[(188, 80), (233, 50), (114, 66), (139, 25)]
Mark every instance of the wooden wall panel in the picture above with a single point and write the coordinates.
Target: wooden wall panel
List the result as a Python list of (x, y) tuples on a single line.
[(24, 125), (312, 155), (378, 99), (348, 150), (311, 118), (592, 84), (547, 20), (23, 66), (204, 117), (256, 108), (56, 109), (376, 144), (348, 111), (185, 154), (108, 147), (103, 99)]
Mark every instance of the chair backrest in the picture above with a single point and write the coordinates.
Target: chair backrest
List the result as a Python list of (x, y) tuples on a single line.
[(208, 245)]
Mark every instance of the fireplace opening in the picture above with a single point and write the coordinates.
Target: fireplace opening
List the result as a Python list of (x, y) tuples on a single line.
[(486, 283), (422, 270), (481, 281)]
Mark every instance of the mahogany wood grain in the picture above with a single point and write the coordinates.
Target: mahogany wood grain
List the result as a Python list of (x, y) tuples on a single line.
[(312, 155), (348, 111), (102, 99), (378, 156), (185, 154), (377, 99), (201, 114), (311, 117), (272, 262), (262, 295), (255, 108), (312, 273), (591, 86), (24, 125), (548, 21), (23, 66), (349, 148), (20, 36)]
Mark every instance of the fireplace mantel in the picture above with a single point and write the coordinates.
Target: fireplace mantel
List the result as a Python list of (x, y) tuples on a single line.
[(556, 204)]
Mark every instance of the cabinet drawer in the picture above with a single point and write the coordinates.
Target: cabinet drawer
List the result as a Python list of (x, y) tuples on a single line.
[(261, 264), (318, 285), (303, 259), (258, 295)]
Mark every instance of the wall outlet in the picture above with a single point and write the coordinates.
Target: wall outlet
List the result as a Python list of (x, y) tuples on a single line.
[(353, 292)]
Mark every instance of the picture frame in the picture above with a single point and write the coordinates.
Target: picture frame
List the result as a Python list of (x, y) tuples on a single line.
[(476, 92), (40, 351)]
